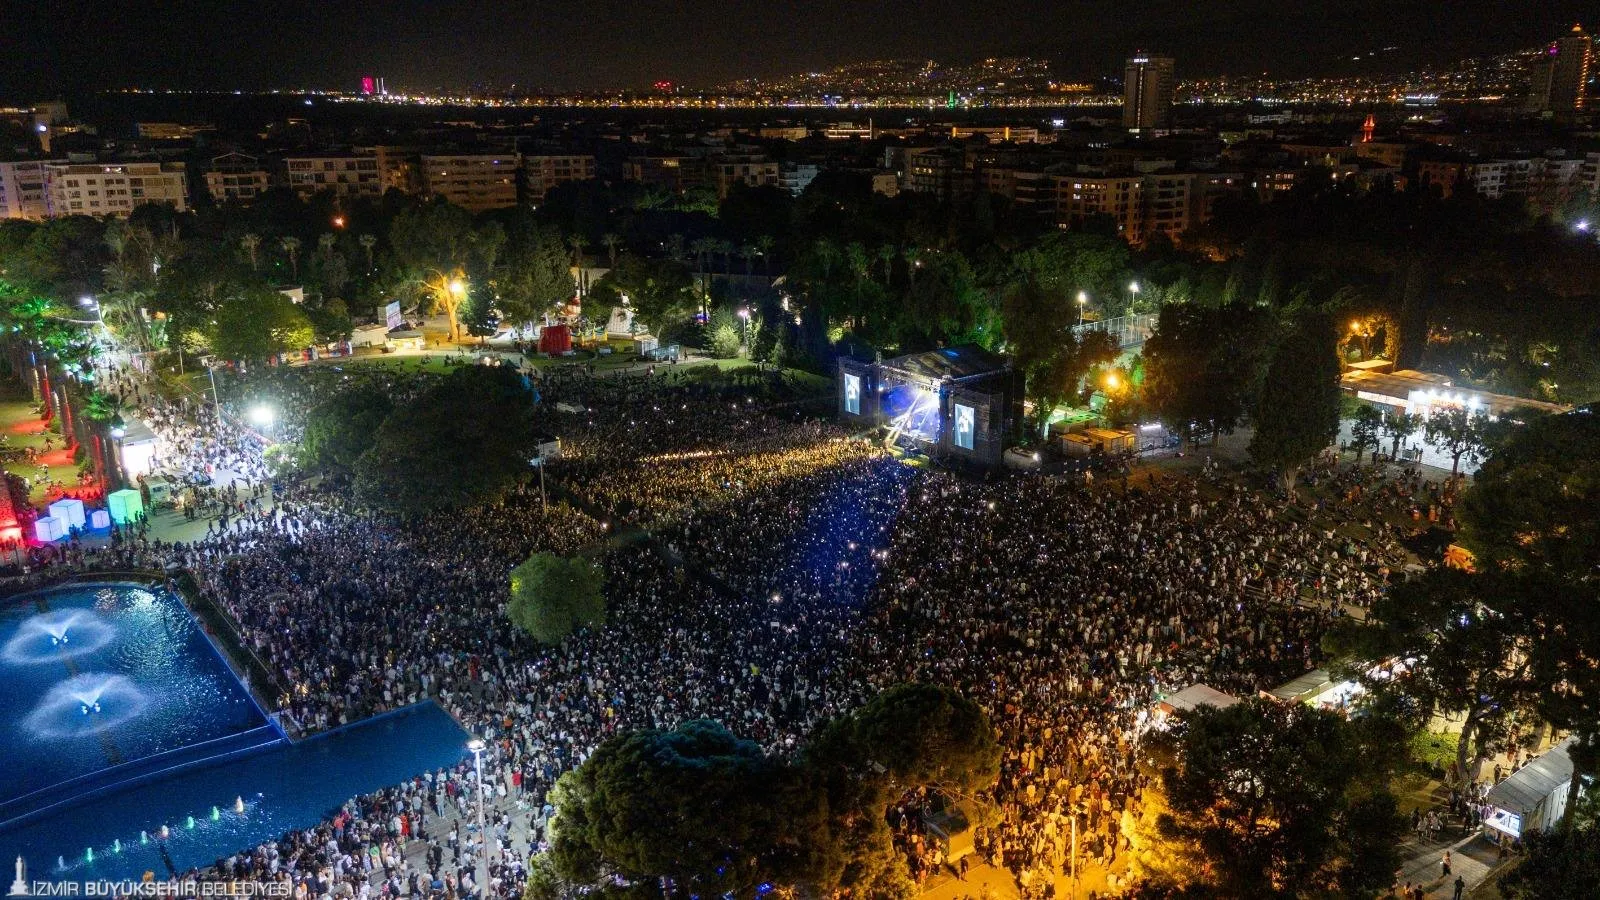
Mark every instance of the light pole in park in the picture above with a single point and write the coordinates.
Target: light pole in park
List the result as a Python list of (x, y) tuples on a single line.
[(119, 430), (1133, 295), (211, 370), (476, 745), (744, 328), (1083, 300)]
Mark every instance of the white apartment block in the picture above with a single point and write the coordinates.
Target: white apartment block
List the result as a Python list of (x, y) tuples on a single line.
[(345, 176), (23, 193), (114, 189), (541, 173), (752, 171), (474, 182)]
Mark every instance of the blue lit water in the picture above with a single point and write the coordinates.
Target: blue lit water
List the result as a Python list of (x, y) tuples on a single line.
[(107, 682), (291, 786)]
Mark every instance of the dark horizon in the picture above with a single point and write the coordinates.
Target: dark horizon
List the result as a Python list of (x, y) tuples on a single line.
[(75, 46)]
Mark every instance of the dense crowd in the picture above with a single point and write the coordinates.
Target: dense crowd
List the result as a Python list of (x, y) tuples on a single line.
[(789, 572)]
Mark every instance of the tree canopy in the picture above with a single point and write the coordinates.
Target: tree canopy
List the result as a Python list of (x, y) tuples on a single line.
[(1536, 501), (1297, 409), (1266, 799), (340, 429), (467, 439), (694, 804), (553, 596)]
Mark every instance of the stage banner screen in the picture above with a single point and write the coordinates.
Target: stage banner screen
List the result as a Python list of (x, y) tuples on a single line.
[(852, 394), (966, 421)]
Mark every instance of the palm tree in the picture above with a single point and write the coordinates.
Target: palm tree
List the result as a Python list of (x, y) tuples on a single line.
[(291, 246), (675, 246), (726, 249), (575, 243), (764, 246), (887, 253), (611, 241), (913, 257), (368, 241), (325, 242), (748, 252), (251, 243)]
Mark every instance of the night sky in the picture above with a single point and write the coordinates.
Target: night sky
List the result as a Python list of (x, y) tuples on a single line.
[(65, 46)]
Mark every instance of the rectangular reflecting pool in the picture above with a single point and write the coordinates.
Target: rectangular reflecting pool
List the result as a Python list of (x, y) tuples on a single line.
[(118, 835), (107, 683)]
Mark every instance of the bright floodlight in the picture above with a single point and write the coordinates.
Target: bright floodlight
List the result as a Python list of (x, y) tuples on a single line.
[(1134, 287), (1082, 298), (475, 745), (262, 414), (86, 300), (1583, 225), (458, 287)]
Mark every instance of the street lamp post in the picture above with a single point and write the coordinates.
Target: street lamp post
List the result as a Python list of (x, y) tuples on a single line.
[(1083, 300), (1133, 294), (215, 401), (744, 329), (476, 745), (119, 430)]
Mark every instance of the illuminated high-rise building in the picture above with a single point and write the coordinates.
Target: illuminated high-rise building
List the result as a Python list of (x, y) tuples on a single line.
[(1147, 92), (1560, 80)]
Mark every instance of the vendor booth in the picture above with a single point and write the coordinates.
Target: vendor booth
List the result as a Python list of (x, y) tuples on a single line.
[(1533, 798), (1160, 715), (136, 451), (1318, 688)]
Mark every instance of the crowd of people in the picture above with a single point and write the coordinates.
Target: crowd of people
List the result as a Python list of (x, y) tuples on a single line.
[(779, 572)]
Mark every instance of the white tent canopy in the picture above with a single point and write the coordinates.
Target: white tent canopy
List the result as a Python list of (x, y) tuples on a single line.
[(1536, 794), (1195, 696)]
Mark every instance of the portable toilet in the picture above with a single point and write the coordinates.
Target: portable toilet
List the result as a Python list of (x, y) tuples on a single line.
[(70, 511), (126, 505)]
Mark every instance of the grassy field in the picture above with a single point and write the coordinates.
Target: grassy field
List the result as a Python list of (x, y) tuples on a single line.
[(23, 429)]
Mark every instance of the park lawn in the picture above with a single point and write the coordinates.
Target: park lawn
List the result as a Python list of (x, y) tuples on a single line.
[(23, 429)]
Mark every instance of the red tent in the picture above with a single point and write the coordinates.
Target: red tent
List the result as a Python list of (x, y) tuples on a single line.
[(555, 339)]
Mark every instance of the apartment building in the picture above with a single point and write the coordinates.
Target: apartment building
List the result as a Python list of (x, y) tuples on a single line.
[(675, 173), (796, 177), (751, 171), (475, 182), (1121, 198), (940, 171), (23, 193), (114, 189), (541, 173), (346, 175), (236, 176)]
